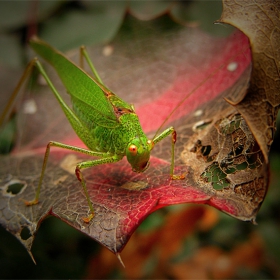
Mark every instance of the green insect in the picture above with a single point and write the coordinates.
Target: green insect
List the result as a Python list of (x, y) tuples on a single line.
[(107, 125)]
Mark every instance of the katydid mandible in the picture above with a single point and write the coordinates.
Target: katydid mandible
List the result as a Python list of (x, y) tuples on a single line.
[(107, 125)]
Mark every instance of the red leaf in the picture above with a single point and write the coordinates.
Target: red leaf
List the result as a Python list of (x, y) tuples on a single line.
[(213, 145)]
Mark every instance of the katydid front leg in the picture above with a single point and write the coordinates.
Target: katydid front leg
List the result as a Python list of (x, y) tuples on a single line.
[(160, 137)]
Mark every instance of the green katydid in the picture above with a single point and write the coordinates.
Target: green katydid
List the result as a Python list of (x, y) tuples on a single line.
[(107, 125)]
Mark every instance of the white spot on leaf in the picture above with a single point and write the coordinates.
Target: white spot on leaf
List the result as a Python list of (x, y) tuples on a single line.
[(69, 163), (232, 66), (29, 107), (198, 113), (107, 50)]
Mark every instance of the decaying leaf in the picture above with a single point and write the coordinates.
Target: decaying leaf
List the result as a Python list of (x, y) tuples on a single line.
[(218, 147), (260, 22)]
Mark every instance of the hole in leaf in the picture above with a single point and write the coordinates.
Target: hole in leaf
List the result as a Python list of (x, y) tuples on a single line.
[(25, 233), (15, 188), (206, 150), (239, 150), (213, 174)]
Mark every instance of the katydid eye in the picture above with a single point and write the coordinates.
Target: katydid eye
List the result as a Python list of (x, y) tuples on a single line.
[(133, 150)]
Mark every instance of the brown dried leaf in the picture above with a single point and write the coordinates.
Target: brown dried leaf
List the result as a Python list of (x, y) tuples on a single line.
[(260, 21)]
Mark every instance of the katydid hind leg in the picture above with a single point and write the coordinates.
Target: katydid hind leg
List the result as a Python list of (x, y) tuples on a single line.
[(170, 131), (79, 128), (14, 95), (76, 124), (72, 118)]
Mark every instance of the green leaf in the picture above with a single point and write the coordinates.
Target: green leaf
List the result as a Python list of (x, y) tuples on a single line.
[(200, 13), (10, 54), (15, 14), (97, 23)]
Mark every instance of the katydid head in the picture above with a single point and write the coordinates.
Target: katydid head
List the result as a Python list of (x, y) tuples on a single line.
[(138, 153)]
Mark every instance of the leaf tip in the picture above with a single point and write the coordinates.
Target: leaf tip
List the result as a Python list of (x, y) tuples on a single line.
[(253, 221), (31, 255), (120, 259)]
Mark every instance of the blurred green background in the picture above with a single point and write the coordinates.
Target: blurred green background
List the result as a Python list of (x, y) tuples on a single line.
[(236, 249)]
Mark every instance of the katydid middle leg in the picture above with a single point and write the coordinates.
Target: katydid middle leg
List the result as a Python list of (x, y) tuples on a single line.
[(84, 54), (87, 164), (105, 158)]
